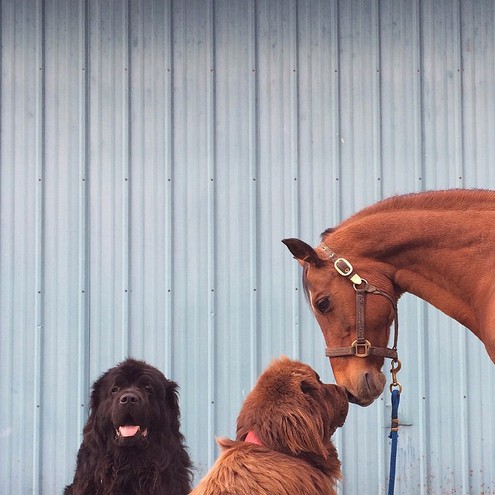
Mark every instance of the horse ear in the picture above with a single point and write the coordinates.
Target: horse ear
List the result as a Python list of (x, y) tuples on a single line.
[(303, 252)]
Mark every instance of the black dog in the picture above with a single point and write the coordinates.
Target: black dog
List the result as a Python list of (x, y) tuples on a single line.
[(131, 442)]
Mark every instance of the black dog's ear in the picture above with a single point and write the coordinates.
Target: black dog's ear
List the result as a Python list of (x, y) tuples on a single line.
[(95, 399), (93, 443), (92, 423), (172, 401)]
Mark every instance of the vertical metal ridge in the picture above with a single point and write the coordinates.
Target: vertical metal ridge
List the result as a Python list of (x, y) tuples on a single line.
[(421, 68), (337, 185), (126, 178), (39, 248), (93, 129), (6, 470), (418, 109), (378, 194), (462, 93), (458, 180), (463, 395), (210, 157), (151, 222), (296, 176), (144, 152), (84, 220), (379, 124), (133, 197), (376, 109), (423, 389), (462, 337), (254, 199), (169, 190)]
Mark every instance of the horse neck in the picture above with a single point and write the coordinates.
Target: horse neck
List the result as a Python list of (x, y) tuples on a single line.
[(442, 257)]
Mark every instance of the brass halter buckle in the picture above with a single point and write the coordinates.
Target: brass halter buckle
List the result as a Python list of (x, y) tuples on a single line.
[(361, 349), (345, 269)]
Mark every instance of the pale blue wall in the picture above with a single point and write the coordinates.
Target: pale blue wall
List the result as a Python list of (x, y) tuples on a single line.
[(154, 154)]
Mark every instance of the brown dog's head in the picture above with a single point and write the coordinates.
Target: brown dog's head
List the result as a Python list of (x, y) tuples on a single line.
[(290, 410)]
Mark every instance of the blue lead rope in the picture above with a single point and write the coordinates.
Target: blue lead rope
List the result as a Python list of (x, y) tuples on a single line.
[(394, 436)]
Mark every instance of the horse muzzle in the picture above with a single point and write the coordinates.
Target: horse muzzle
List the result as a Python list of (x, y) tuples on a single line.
[(367, 388)]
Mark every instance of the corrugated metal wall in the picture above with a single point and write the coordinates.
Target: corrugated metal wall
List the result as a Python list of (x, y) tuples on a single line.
[(153, 155)]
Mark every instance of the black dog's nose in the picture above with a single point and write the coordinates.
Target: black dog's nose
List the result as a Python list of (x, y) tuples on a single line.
[(129, 398)]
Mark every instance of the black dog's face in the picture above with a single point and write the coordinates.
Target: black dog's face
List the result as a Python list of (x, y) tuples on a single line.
[(131, 402)]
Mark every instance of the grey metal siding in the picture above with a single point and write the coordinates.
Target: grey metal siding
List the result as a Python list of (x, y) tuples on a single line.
[(153, 153)]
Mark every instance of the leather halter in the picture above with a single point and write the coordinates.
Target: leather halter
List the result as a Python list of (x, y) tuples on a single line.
[(361, 347)]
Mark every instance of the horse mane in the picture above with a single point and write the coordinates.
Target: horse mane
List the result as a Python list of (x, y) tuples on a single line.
[(452, 199)]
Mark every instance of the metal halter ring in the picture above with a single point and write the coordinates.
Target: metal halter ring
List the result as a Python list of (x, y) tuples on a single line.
[(363, 281)]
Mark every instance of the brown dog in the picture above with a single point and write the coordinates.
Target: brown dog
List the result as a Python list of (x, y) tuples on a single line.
[(283, 444)]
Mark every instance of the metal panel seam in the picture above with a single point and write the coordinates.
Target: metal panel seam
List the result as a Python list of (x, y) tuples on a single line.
[(169, 194), (210, 157), (296, 176), (254, 193), (126, 153), (84, 223), (39, 239)]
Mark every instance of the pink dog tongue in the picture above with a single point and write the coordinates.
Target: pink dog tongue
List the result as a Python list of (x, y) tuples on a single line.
[(128, 431)]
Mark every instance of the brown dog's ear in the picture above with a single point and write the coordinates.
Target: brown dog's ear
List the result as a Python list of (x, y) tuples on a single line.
[(303, 252), (296, 432)]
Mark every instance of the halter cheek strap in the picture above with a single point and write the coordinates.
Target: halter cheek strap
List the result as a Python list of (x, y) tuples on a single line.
[(361, 347)]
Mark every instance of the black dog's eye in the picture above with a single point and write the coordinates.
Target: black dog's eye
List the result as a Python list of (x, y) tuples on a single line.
[(148, 389), (323, 304), (115, 389)]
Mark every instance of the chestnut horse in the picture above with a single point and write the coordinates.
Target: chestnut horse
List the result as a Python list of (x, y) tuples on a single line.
[(437, 245)]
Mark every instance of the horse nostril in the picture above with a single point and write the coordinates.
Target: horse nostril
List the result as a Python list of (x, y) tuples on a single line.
[(129, 398), (367, 380)]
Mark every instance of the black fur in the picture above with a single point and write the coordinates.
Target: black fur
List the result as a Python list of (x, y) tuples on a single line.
[(154, 461)]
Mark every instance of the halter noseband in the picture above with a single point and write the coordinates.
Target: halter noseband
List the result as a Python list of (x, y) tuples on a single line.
[(361, 347)]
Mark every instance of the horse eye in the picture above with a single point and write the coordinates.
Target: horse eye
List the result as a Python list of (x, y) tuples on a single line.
[(323, 304)]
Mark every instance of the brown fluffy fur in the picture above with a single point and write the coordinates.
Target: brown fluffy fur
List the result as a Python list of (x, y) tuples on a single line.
[(294, 415)]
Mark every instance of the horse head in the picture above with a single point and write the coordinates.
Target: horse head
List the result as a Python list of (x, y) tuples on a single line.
[(331, 285)]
